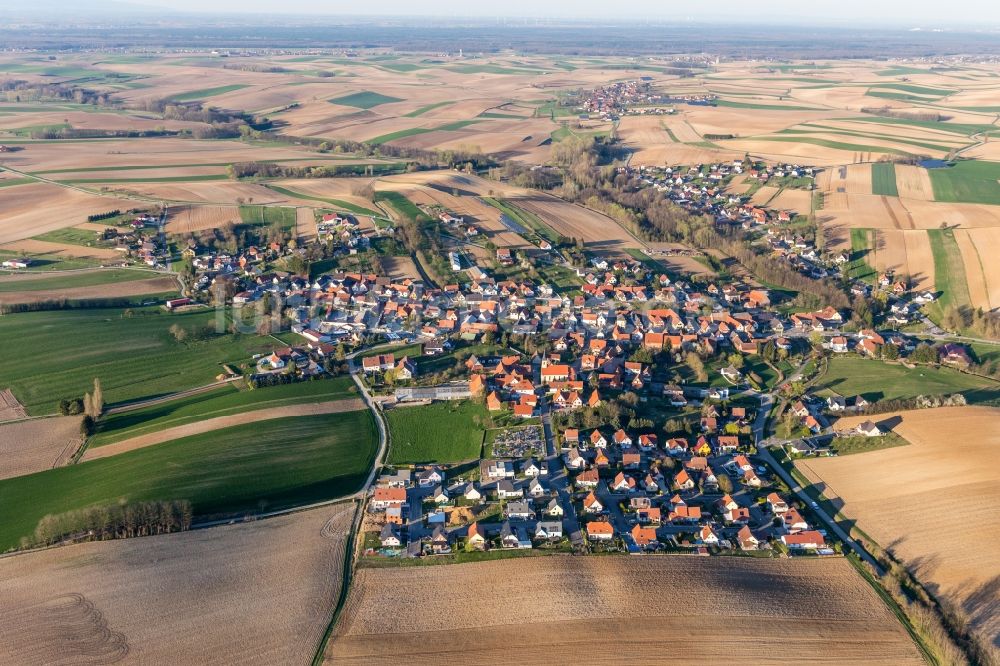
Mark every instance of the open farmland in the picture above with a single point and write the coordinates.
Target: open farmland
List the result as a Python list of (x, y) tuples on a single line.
[(134, 356), (268, 465), (951, 460), (598, 231), (184, 219), (219, 422), (611, 608), (440, 432), (19, 218), (225, 400), (37, 444), (875, 380), (230, 594), (36, 292)]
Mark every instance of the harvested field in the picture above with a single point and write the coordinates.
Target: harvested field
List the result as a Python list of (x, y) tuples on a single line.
[(154, 285), (818, 611), (184, 219), (951, 461), (598, 231), (34, 445), (905, 252), (914, 182), (147, 152), (796, 201), (213, 192), (64, 207), (984, 240), (208, 425), (400, 267), (10, 408), (975, 274), (33, 246), (305, 223), (763, 195), (225, 595)]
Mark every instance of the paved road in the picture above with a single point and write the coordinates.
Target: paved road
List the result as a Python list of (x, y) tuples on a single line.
[(764, 453)]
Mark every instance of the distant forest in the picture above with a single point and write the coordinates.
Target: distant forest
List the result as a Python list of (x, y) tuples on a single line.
[(427, 36)]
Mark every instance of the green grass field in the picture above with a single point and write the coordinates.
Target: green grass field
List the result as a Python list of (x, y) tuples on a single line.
[(524, 218), (969, 181), (47, 356), (268, 215), (336, 203), (949, 269), (826, 143), (764, 107), (206, 92), (399, 203), (67, 280), (884, 179), (70, 236), (441, 432), (869, 135), (400, 134), (364, 100), (875, 380), (859, 267), (424, 109), (162, 179), (414, 131), (252, 467), (965, 129), (218, 402)]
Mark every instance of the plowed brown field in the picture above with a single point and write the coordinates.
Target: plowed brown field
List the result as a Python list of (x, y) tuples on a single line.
[(253, 593), (637, 610), (931, 503), (34, 445)]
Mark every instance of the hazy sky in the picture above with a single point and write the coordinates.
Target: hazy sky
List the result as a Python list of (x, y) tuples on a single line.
[(925, 13)]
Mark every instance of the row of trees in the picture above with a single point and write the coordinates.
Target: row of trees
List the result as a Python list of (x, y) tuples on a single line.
[(114, 521)]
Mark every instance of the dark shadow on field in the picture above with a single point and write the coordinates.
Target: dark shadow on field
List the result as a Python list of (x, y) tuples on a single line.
[(454, 191), (889, 423)]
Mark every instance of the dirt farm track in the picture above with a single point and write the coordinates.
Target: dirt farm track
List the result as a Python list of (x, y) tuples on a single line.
[(650, 610)]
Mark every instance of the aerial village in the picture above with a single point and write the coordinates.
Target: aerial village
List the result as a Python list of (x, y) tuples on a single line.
[(561, 364)]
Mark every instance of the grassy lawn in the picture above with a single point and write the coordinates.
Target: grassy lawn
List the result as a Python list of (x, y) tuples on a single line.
[(206, 92), (441, 432), (364, 99), (84, 279), (218, 402), (846, 446), (949, 270), (252, 467), (884, 179), (969, 181), (875, 380), (47, 356), (337, 203)]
